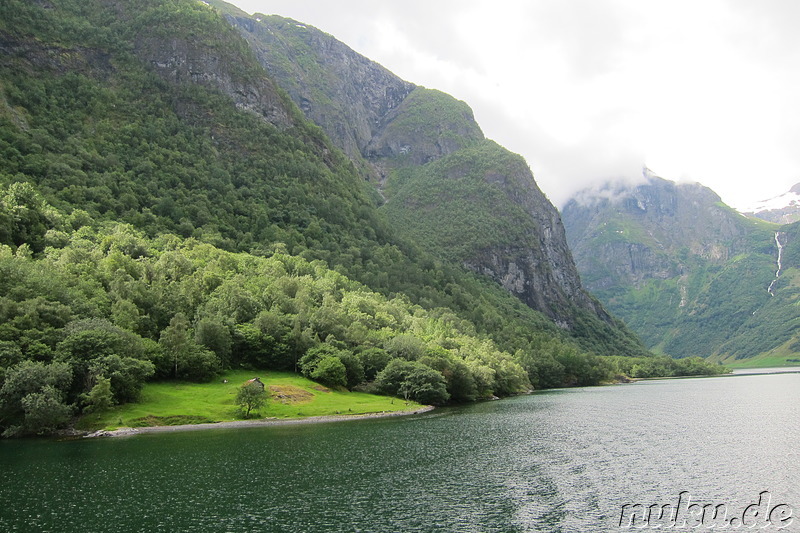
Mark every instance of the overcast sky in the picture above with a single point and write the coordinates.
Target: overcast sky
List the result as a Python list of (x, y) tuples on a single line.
[(588, 90)]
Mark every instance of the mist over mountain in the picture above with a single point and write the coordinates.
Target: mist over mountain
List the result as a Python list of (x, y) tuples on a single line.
[(687, 273)]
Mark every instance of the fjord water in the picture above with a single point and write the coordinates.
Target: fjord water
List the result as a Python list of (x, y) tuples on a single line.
[(564, 460)]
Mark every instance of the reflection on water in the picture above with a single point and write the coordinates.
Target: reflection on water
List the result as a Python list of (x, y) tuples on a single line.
[(565, 460)]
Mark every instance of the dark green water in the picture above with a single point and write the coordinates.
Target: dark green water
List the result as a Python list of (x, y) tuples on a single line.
[(554, 461)]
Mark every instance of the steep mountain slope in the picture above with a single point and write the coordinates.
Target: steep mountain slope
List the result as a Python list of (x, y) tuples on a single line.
[(137, 121), (461, 197), (364, 91), (157, 115), (480, 207), (687, 273)]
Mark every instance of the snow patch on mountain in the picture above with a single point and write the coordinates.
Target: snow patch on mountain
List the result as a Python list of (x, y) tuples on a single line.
[(782, 209)]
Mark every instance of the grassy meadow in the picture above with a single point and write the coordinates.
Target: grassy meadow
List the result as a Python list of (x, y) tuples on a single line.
[(290, 396)]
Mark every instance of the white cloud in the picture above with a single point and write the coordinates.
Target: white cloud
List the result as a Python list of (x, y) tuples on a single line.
[(592, 89)]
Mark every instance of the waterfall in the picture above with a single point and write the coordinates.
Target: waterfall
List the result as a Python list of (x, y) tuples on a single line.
[(777, 272)]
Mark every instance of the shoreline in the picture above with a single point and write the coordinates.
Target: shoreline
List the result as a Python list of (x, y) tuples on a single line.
[(264, 422)]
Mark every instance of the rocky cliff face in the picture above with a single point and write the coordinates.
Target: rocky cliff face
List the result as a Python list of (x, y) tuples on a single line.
[(392, 128), (184, 55), (426, 126), (198, 53), (181, 60), (541, 272), (369, 112), (346, 94)]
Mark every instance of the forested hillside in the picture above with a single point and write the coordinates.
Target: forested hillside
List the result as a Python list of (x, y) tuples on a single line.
[(105, 308), (106, 302), (167, 211)]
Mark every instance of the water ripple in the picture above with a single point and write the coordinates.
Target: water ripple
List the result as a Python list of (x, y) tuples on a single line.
[(563, 460)]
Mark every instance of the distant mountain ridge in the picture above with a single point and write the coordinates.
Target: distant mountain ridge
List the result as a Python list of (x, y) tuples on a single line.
[(687, 273)]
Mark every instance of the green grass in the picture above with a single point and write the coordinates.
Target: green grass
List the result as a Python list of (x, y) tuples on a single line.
[(767, 361), (172, 403), (780, 356), (785, 355)]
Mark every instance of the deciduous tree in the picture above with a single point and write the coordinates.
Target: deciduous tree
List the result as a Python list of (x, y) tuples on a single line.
[(251, 397)]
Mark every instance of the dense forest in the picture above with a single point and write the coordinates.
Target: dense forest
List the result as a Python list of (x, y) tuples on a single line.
[(153, 227)]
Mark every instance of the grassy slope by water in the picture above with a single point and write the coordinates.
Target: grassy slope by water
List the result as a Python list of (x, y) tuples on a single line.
[(291, 396), (771, 359)]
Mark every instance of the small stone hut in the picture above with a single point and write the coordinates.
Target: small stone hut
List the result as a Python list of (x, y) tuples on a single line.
[(256, 381)]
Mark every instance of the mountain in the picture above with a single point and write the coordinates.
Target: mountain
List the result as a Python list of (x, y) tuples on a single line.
[(459, 196), (167, 210), (782, 209), (687, 273)]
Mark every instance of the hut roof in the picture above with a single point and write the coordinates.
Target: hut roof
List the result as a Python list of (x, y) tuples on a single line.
[(254, 380)]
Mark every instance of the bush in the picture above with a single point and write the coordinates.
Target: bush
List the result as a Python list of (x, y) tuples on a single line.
[(45, 411), (126, 374), (198, 364), (412, 381), (310, 366), (100, 398), (331, 372), (374, 360), (32, 398)]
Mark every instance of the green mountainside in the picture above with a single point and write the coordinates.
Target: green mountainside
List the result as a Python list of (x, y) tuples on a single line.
[(687, 273), (461, 198), (167, 211)]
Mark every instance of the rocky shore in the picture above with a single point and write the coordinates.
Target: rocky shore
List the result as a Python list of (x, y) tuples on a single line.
[(126, 431)]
